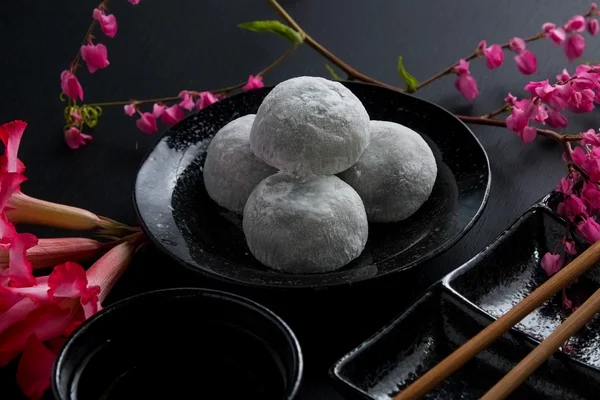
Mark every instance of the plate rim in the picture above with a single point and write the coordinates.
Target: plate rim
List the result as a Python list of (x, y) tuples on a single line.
[(213, 275)]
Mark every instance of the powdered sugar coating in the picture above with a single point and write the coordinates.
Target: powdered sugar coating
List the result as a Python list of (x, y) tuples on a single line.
[(305, 225), (395, 174), (231, 170), (310, 125)]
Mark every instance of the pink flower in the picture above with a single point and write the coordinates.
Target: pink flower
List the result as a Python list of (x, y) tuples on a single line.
[(551, 263), (158, 110), (172, 115), (147, 123), (542, 89), (108, 23), (565, 186), (557, 35), (526, 62), (591, 194), (574, 46), (70, 85), (516, 44), (589, 229), (582, 102), (35, 368), (494, 56), (11, 134), (510, 99), (570, 247), (205, 100), (590, 138), (572, 207), (563, 76), (579, 156), (187, 101), (134, 2), (522, 112), (593, 27), (256, 82), (462, 67), (130, 109), (557, 120), (75, 138), (95, 56), (20, 268), (467, 86), (548, 26), (575, 24)]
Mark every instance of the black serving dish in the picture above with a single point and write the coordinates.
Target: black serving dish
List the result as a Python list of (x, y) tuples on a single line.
[(179, 344), (177, 214), (464, 302)]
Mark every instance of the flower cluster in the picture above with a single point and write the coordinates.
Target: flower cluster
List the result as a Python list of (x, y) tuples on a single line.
[(38, 312), (568, 36)]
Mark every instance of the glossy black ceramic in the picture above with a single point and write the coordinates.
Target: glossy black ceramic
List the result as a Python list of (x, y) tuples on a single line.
[(468, 299), (180, 344), (176, 212)]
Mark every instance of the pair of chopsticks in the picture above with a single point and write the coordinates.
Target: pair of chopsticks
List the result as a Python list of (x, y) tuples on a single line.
[(492, 332)]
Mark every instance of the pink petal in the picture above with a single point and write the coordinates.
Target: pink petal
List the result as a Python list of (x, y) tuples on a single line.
[(589, 229), (591, 194), (570, 247), (563, 76), (551, 263), (11, 134), (510, 99), (95, 56), (147, 123), (526, 62), (557, 120), (74, 138), (134, 2), (579, 156), (565, 186), (35, 368), (548, 26), (462, 67), (593, 27), (187, 101), (574, 46), (70, 85), (256, 82), (17, 313), (67, 280), (205, 100), (516, 44), (129, 109), (467, 86), (158, 110), (557, 35), (575, 24), (528, 134), (9, 184), (172, 115), (108, 23), (493, 54), (20, 268), (590, 138)]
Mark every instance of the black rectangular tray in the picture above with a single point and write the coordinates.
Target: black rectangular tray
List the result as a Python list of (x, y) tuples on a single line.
[(462, 304)]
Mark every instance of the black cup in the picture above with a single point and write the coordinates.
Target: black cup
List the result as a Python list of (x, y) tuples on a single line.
[(180, 344)]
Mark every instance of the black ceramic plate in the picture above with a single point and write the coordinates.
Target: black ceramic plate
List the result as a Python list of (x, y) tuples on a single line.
[(466, 300), (178, 215)]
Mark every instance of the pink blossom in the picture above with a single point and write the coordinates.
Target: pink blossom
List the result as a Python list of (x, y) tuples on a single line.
[(556, 119), (467, 86), (35, 368), (574, 46), (172, 115), (522, 112), (510, 99), (158, 110), (565, 186), (462, 67), (551, 263), (134, 2), (570, 247), (75, 138), (582, 102), (591, 194), (76, 116), (548, 26), (572, 207), (526, 62), (70, 85), (590, 138), (579, 156), (205, 100), (575, 24), (516, 44), (95, 56), (256, 82), (187, 101), (593, 27), (130, 109), (528, 134), (567, 305), (589, 229), (11, 134), (542, 89), (563, 76), (557, 35), (147, 123), (108, 23)]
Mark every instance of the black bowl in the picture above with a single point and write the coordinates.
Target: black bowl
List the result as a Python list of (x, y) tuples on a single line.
[(180, 343), (178, 215)]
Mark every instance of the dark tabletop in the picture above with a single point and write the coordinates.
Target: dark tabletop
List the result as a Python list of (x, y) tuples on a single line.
[(165, 46)]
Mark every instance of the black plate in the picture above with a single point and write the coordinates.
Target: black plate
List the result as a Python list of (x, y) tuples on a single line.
[(177, 214), (466, 300)]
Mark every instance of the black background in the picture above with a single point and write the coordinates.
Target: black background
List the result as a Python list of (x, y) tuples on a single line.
[(165, 46)]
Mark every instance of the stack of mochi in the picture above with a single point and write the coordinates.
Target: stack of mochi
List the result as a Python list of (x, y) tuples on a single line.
[(310, 170)]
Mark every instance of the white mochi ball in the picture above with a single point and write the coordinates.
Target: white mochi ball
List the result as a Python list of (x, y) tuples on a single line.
[(396, 173), (305, 225), (231, 170), (310, 125)]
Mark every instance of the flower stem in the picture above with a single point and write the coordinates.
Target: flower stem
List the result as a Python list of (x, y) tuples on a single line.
[(75, 62), (225, 90)]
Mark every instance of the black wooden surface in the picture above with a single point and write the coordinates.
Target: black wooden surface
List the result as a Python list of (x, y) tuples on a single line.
[(165, 46)]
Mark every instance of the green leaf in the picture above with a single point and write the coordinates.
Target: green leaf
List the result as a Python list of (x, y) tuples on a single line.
[(275, 27), (411, 81), (332, 73)]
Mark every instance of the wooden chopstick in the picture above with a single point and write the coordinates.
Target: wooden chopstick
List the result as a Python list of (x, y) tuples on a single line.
[(492, 332), (529, 364)]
